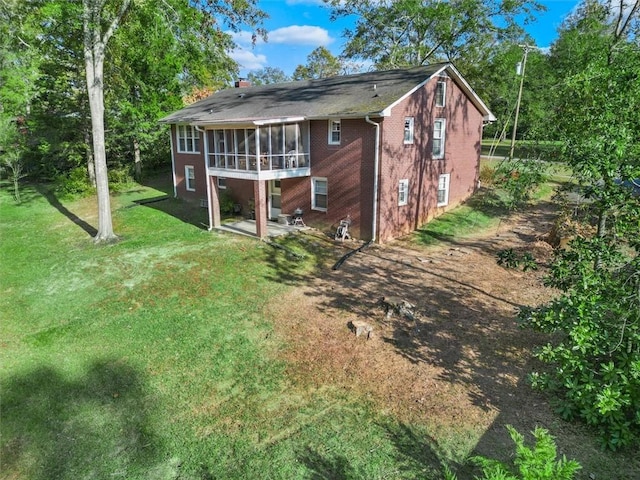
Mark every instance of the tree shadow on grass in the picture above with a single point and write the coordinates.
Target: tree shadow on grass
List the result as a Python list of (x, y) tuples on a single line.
[(322, 467), (187, 212), (55, 203), (94, 426), (411, 452)]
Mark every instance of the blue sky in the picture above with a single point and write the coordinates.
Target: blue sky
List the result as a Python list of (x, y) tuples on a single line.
[(296, 27)]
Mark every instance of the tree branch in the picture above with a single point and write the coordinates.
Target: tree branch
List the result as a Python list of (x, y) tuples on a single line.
[(116, 21)]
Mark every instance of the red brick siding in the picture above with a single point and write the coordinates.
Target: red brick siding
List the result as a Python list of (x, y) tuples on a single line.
[(197, 161), (348, 168), (416, 163)]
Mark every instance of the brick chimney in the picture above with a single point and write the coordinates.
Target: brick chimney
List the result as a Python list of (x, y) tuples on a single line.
[(242, 83)]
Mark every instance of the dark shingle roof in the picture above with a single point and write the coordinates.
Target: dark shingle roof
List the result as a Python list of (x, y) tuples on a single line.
[(339, 97)]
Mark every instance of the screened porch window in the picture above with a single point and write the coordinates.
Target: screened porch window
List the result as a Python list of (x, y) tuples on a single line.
[(266, 147)]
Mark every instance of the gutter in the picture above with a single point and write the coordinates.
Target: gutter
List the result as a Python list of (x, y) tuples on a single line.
[(376, 168), (206, 176), (173, 162)]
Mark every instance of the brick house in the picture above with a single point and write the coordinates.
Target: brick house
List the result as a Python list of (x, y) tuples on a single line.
[(392, 149)]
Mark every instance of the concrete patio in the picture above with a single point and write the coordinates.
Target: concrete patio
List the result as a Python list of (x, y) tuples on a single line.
[(248, 228)]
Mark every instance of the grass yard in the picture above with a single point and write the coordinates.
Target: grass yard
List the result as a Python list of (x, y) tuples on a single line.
[(179, 353), (154, 357)]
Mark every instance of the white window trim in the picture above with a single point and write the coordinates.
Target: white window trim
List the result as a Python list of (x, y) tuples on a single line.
[(330, 139), (408, 141), (189, 141), (442, 137), (444, 94), (187, 182), (313, 193), (403, 192), (222, 185), (447, 179)]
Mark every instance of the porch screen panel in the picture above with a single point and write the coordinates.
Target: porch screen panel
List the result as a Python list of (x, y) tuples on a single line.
[(211, 147), (220, 147), (291, 145), (277, 145), (231, 148), (242, 148), (251, 141), (291, 138), (264, 141), (303, 144)]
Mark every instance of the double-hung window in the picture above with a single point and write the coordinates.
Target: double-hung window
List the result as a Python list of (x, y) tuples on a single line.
[(408, 130), (188, 139), (441, 90), (438, 138), (334, 132), (443, 189), (190, 178), (403, 192), (319, 194)]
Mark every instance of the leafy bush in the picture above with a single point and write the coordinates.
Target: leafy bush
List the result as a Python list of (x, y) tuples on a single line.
[(508, 258), (119, 178), (518, 180), (595, 352), (75, 183), (537, 463), (226, 204)]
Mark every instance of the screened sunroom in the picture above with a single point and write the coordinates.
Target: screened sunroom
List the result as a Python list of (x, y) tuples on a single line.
[(276, 150)]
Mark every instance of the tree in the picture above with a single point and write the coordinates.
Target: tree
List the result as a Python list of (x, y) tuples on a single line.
[(157, 59), (401, 33), (267, 75), (11, 151), (595, 354), (149, 54), (495, 80), (99, 25), (321, 63)]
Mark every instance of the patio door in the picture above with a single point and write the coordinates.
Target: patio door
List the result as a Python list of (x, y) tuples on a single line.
[(274, 199)]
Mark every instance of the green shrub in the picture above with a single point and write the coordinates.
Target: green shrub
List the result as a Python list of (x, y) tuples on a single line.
[(508, 258), (537, 463), (594, 353), (226, 204), (518, 180), (119, 178), (74, 183)]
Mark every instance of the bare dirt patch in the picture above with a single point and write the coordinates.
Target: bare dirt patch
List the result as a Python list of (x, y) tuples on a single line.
[(460, 366)]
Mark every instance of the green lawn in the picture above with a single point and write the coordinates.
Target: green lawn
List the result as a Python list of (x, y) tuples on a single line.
[(522, 149), (153, 358), (157, 357)]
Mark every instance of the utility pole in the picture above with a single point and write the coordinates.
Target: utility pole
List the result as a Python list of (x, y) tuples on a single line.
[(515, 121)]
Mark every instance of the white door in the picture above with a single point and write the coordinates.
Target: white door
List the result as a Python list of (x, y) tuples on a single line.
[(274, 199)]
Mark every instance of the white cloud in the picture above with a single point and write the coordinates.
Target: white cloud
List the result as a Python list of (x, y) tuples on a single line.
[(248, 60), (300, 34), (244, 38)]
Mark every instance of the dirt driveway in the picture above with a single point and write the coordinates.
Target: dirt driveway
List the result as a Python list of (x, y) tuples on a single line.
[(460, 365)]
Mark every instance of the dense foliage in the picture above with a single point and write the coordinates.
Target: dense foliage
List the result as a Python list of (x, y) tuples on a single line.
[(594, 358), (156, 57), (538, 463)]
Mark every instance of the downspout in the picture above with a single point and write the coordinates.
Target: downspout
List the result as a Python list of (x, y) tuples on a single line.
[(173, 162), (376, 167), (208, 180)]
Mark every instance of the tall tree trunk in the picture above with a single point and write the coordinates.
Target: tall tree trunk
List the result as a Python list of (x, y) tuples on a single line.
[(94, 62), (137, 160), (94, 51), (91, 168)]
